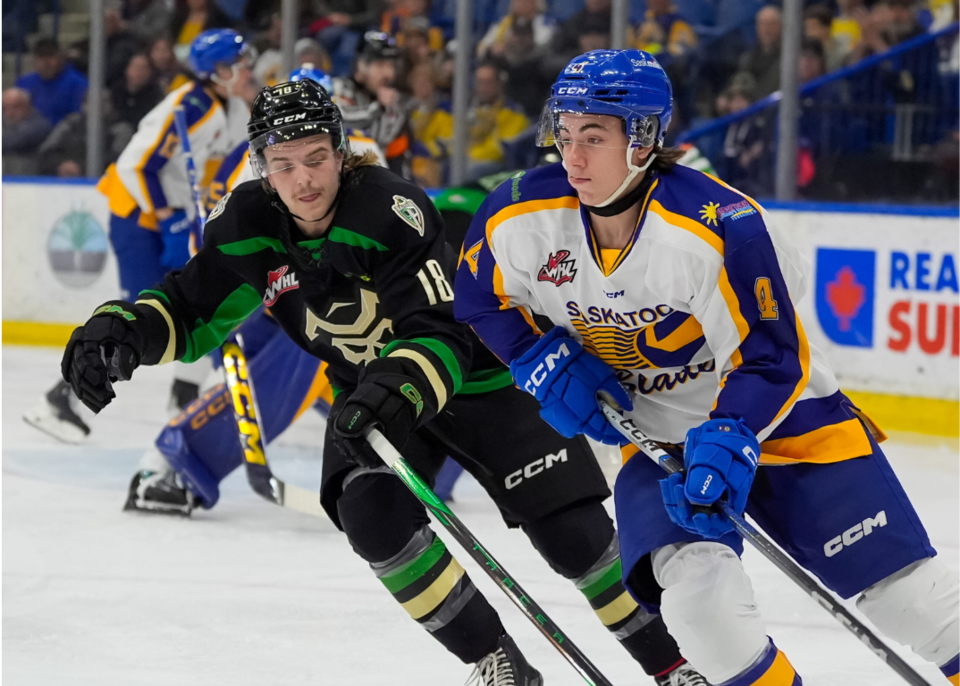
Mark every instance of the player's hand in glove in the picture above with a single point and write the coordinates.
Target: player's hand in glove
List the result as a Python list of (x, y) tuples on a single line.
[(720, 457), (105, 349), (566, 379), (175, 232), (385, 399)]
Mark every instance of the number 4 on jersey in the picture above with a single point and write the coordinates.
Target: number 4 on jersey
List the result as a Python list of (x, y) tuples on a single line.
[(766, 303)]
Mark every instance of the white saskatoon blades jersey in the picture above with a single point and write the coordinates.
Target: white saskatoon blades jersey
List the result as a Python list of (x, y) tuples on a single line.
[(151, 172), (696, 314)]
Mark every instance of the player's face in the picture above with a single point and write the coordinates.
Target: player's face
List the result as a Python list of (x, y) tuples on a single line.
[(594, 154), (306, 174)]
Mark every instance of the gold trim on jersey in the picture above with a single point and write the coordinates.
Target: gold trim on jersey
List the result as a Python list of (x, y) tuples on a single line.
[(595, 246)]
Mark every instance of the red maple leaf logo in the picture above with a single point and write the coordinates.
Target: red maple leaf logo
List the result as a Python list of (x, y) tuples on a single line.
[(845, 297), (273, 277)]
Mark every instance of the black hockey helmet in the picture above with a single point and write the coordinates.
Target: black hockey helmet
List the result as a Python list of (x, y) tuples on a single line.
[(289, 111), (377, 45)]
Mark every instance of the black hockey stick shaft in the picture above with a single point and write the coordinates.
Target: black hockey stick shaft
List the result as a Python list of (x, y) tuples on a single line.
[(628, 428), (259, 474), (481, 556)]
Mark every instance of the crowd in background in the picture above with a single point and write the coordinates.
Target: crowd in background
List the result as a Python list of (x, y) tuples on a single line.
[(719, 65)]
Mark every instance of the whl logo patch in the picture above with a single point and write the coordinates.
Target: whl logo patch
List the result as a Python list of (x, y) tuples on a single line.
[(278, 283), (558, 268), (845, 295)]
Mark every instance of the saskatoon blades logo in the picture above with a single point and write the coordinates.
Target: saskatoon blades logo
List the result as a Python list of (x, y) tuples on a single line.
[(278, 283), (558, 268)]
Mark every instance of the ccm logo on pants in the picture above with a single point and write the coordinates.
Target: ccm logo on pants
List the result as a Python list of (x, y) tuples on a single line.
[(534, 468), (854, 534)]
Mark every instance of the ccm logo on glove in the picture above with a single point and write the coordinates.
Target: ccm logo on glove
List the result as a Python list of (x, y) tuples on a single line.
[(537, 378)]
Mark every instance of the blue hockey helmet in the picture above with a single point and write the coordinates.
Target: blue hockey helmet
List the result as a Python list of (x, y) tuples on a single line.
[(308, 71), (213, 47), (629, 84)]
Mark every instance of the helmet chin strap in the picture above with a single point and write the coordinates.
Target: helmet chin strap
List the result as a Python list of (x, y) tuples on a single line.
[(229, 84), (631, 174)]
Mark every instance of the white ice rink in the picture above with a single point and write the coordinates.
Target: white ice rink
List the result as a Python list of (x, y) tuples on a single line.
[(249, 593)]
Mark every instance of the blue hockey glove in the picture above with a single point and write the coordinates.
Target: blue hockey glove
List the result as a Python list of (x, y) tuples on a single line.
[(566, 379), (175, 231), (721, 458)]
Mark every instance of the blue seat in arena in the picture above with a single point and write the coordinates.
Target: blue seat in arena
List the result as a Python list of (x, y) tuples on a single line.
[(697, 12), (563, 9)]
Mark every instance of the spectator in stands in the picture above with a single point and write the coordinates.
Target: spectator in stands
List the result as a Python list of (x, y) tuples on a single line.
[(566, 40), (533, 12), (594, 35), (167, 70), (813, 60), (258, 14), (56, 89), (64, 153), (121, 45), (190, 18), (664, 32), (24, 129), (817, 25), (431, 124), (747, 156), (269, 66), (523, 61), (763, 60), (845, 29), (345, 20), (495, 121), (888, 23), (146, 19), (137, 94), (307, 50)]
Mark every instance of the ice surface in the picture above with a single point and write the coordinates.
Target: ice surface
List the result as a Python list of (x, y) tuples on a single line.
[(250, 593)]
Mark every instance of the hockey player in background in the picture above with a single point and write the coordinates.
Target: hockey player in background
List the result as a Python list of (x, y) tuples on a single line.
[(673, 295), (370, 101), (352, 262), (151, 206)]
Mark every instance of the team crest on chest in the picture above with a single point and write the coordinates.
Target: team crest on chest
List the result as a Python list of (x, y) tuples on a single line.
[(558, 268), (278, 283), (407, 210)]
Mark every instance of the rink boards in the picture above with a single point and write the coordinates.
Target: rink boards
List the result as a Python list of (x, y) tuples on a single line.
[(882, 301)]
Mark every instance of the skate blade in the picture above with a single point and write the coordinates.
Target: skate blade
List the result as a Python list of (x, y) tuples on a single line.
[(147, 509), (63, 431)]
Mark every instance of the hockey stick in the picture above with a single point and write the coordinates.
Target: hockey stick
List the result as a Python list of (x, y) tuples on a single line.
[(628, 428), (494, 570), (261, 478), (180, 122)]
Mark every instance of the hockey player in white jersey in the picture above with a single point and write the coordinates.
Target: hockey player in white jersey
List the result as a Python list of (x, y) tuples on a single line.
[(673, 294)]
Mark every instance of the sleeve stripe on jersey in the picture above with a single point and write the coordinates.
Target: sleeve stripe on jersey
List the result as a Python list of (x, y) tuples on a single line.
[(171, 351), (439, 390), (510, 211), (232, 180), (694, 227), (804, 354), (138, 170), (439, 349), (500, 292), (234, 309)]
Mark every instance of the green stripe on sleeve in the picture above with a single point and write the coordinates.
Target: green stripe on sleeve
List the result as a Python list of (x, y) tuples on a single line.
[(159, 295), (486, 380), (235, 308), (437, 348), (338, 234), (406, 575), (251, 245)]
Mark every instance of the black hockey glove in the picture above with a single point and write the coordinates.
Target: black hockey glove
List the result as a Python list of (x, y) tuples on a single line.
[(105, 349), (385, 399)]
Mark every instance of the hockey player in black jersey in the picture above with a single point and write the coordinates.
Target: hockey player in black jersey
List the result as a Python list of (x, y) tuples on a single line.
[(352, 263)]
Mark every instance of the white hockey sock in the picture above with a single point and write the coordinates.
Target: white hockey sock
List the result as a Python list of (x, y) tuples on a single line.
[(709, 608), (918, 607)]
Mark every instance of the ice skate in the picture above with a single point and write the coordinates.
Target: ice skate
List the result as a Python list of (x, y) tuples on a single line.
[(160, 492), (506, 666), (684, 675), (55, 416)]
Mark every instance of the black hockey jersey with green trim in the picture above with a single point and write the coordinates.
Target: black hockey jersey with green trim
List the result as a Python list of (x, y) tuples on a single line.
[(379, 284)]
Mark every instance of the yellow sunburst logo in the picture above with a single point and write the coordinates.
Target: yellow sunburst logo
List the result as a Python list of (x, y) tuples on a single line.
[(708, 215)]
